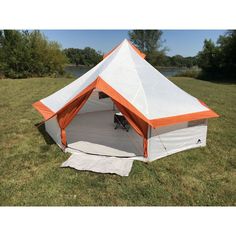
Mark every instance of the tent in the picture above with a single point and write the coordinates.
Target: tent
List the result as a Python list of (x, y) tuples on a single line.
[(164, 119)]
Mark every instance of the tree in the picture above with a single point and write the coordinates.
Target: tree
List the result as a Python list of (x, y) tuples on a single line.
[(178, 61), (14, 55), (90, 56), (87, 56), (227, 53), (146, 40), (149, 42), (190, 61), (74, 55), (208, 58), (25, 54), (218, 60)]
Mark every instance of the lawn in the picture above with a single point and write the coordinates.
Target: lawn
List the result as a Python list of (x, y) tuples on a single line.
[(29, 163)]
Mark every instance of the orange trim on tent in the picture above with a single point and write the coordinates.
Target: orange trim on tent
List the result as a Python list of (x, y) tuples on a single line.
[(91, 86), (203, 103), (43, 110), (141, 54), (64, 119), (66, 114), (106, 88), (138, 121), (183, 118), (140, 126), (135, 117)]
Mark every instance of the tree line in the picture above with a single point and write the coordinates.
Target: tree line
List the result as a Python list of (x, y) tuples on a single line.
[(87, 56), (30, 54), (90, 57), (27, 54), (150, 42), (218, 61), (173, 61)]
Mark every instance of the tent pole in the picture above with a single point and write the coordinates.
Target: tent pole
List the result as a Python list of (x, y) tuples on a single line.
[(148, 136)]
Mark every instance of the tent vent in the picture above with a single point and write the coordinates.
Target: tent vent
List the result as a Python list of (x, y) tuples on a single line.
[(102, 95)]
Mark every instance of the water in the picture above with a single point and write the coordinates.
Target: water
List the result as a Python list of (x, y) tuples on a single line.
[(171, 71), (80, 70), (77, 71)]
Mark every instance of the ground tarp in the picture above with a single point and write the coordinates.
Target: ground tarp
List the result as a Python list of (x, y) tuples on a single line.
[(100, 164)]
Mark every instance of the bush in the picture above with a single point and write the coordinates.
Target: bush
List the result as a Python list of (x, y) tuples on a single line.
[(87, 56), (192, 72), (24, 54), (218, 61)]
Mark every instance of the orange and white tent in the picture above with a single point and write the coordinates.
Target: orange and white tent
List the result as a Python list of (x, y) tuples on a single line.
[(164, 117)]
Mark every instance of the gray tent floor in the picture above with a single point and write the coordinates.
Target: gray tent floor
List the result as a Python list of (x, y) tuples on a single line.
[(94, 133)]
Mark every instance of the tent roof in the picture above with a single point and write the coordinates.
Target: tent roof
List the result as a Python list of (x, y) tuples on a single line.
[(127, 75)]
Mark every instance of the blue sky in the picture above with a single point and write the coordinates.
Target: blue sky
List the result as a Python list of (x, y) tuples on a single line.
[(183, 42)]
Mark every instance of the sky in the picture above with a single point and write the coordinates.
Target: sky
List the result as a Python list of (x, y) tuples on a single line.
[(182, 42)]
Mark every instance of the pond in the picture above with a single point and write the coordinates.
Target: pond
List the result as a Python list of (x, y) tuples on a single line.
[(78, 71)]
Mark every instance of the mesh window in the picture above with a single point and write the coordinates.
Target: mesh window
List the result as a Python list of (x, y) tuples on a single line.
[(102, 95), (196, 123)]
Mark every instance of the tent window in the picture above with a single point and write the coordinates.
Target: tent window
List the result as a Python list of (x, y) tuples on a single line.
[(196, 123), (102, 95)]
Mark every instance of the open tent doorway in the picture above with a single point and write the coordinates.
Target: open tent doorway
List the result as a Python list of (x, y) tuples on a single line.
[(93, 131)]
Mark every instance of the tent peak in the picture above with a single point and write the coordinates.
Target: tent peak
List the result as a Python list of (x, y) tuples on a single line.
[(141, 54), (125, 42)]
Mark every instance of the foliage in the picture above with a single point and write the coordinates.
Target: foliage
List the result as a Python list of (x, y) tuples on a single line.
[(227, 51), (73, 55), (87, 56), (180, 61), (219, 60), (30, 170), (147, 41), (175, 61), (192, 72), (26, 54), (209, 57), (150, 42)]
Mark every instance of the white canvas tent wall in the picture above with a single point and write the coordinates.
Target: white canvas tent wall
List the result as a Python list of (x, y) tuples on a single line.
[(166, 117)]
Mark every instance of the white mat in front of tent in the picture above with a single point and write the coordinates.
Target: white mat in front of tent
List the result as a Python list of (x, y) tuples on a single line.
[(101, 164)]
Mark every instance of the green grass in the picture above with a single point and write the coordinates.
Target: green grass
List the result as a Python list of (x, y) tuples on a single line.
[(29, 166)]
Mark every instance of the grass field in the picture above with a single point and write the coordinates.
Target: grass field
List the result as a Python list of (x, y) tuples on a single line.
[(29, 164)]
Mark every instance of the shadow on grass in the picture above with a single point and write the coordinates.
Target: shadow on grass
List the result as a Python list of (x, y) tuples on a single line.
[(227, 80), (218, 78), (46, 136)]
